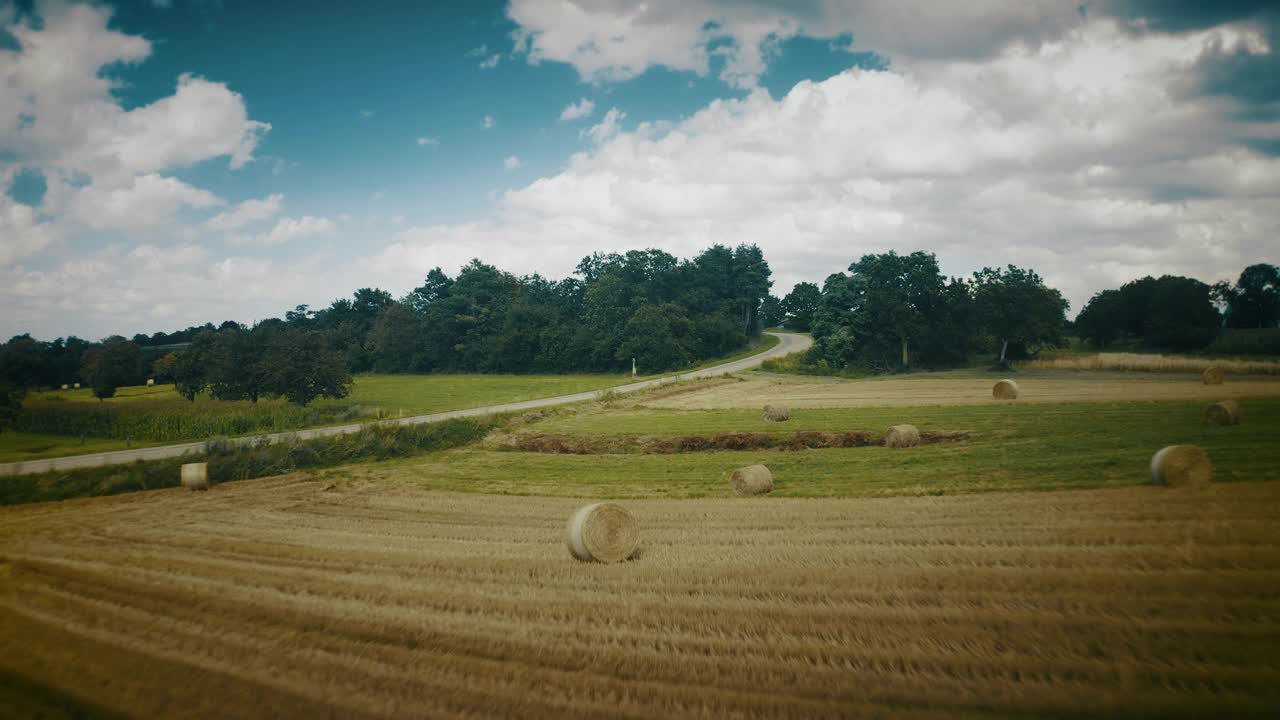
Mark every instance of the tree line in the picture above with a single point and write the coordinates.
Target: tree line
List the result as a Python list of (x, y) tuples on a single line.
[(646, 305)]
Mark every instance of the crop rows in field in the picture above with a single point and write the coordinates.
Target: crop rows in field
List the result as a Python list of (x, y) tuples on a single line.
[(369, 599), (175, 420)]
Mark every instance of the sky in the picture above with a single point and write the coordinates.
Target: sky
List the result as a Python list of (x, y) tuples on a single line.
[(170, 163)]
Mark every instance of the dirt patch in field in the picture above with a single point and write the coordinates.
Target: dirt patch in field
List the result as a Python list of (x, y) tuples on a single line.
[(964, 389), (560, 444), (271, 598)]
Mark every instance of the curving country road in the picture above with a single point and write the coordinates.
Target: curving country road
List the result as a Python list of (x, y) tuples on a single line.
[(788, 343)]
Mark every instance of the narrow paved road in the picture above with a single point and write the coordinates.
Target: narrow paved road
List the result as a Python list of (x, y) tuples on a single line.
[(789, 343)]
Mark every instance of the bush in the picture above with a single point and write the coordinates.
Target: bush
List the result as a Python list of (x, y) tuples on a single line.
[(1253, 341)]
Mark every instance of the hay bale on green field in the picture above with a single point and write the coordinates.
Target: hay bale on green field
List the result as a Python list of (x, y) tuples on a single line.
[(1181, 466), (777, 413), (1005, 390), (1213, 375), (1226, 412), (603, 532), (195, 476), (751, 480), (901, 436)]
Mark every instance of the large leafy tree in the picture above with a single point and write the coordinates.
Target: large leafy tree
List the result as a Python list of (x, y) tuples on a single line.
[(1103, 319), (1014, 305), (114, 363), (1254, 302), (800, 305), (299, 365)]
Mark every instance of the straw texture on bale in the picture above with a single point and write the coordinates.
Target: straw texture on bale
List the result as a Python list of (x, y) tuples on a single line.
[(777, 413), (1005, 390), (901, 436), (751, 480), (603, 532), (1226, 412), (195, 476), (1213, 375), (1181, 466)]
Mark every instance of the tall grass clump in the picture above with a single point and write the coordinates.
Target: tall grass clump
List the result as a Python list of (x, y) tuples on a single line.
[(1152, 363), (229, 461), (174, 421)]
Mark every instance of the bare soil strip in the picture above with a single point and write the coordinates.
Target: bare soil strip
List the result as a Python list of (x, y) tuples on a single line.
[(282, 598), (562, 444)]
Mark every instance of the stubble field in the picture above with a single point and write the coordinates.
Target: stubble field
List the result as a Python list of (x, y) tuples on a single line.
[(369, 591)]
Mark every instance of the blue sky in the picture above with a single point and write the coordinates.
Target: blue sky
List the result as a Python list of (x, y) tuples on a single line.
[(213, 160)]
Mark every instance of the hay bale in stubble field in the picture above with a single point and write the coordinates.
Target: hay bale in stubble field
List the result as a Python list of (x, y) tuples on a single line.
[(901, 436), (77, 386), (777, 413), (1005, 390), (1226, 412), (65, 386), (195, 476), (1181, 466), (751, 480), (1213, 375), (604, 532), (151, 382)]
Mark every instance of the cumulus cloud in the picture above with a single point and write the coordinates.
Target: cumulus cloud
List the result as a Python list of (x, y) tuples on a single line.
[(247, 212), (147, 201), (511, 162), (428, 142), (287, 230), (488, 122), (574, 111), (1077, 157)]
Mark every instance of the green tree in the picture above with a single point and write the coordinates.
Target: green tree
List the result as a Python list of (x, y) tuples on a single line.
[(162, 369), (1015, 305), (396, 340), (10, 404), (771, 312), (111, 365), (800, 305), (300, 366), (188, 371), (1254, 302), (1102, 321), (657, 336)]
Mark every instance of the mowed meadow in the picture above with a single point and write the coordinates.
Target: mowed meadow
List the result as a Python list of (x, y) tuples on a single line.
[(1017, 565)]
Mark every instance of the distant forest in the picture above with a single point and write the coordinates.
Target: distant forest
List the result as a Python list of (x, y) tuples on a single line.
[(664, 312), (888, 313)]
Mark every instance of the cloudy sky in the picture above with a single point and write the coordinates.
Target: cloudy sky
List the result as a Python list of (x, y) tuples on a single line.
[(173, 162)]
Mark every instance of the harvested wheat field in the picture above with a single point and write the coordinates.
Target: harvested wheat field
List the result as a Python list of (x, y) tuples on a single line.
[(287, 597), (964, 388)]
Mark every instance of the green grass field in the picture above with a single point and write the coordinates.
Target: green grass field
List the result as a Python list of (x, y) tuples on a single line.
[(371, 396), (1041, 447)]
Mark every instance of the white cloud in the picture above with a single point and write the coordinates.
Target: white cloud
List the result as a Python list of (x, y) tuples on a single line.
[(574, 111), (490, 62), (478, 51), (148, 201), (24, 235), (608, 126), (1077, 158), (488, 122), (511, 162), (611, 41), (249, 211), (287, 230), (428, 141)]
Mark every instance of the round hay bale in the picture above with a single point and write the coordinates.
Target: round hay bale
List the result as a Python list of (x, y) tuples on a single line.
[(751, 480), (1226, 412), (777, 413), (65, 386), (1181, 466), (604, 532), (151, 382), (77, 386), (1213, 375), (1005, 390), (195, 476), (901, 436)]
